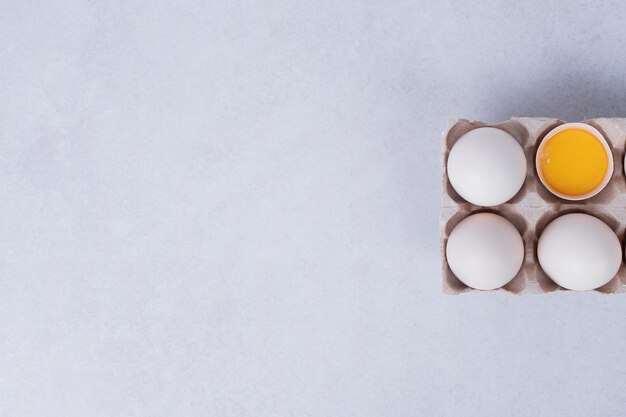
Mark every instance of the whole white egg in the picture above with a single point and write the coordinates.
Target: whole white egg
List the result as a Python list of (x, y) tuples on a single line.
[(485, 251), (579, 252), (487, 166)]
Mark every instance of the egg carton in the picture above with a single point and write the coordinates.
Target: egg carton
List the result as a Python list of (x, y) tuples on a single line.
[(533, 207)]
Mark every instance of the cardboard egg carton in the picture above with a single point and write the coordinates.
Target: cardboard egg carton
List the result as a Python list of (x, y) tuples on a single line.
[(533, 207)]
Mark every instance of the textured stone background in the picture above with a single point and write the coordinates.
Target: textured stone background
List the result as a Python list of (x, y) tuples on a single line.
[(230, 208)]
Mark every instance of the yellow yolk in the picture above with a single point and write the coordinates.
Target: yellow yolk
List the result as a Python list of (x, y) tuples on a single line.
[(573, 162)]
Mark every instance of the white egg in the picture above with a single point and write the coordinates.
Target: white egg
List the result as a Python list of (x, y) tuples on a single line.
[(485, 251), (579, 252), (487, 166)]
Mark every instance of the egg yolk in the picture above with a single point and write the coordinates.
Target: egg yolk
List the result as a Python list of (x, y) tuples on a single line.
[(573, 162)]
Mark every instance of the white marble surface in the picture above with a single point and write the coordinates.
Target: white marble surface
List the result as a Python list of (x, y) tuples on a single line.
[(230, 208)]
